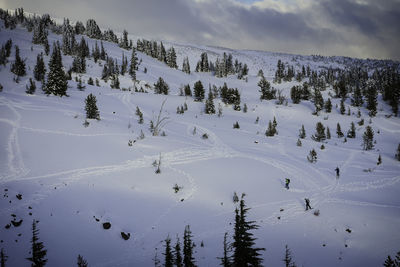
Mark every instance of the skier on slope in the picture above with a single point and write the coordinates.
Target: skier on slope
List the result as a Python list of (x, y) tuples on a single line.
[(287, 182), (307, 204), (337, 172)]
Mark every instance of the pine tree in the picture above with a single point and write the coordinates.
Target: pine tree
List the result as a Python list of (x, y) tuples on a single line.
[(379, 160), (171, 58), (188, 245), (187, 90), (40, 69), (56, 79), (3, 258), (271, 131), (82, 262), (312, 156), (186, 65), (339, 131), (236, 125), (209, 106), (318, 101), (245, 254), (397, 156), (124, 43), (244, 108), (161, 87), (198, 91), (328, 133), (328, 106), (92, 111), (302, 132), (295, 94), (371, 95), (133, 65), (389, 262), (342, 107), (357, 99), (265, 89), (32, 87), (139, 114), (168, 261), (38, 253), (320, 132), (177, 254), (352, 132), (288, 258), (18, 67), (368, 138), (226, 258)]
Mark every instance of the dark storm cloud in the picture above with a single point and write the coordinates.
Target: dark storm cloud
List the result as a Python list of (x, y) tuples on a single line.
[(361, 28)]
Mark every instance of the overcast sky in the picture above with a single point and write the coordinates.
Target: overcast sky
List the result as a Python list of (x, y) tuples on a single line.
[(357, 28)]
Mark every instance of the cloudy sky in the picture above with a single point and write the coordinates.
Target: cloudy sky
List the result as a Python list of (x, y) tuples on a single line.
[(357, 28)]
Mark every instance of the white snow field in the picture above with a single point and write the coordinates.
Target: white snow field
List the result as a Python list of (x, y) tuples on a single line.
[(70, 175)]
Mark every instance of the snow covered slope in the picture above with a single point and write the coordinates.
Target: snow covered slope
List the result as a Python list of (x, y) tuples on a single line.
[(70, 175)]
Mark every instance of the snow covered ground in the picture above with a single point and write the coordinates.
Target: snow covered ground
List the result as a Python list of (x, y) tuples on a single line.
[(70, 175)]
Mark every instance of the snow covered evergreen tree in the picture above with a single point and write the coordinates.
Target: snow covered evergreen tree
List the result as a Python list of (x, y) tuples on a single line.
[(177, 254), (226, 259), (31, 88), (265, 89), (318, 101), (186, 65), (82, 262), (92, 112), (352, 132), (38, 253), (161, 87), (3, 258), (133, 65), (302, 132), (188, 245), (371, 98), (93, 30), (339, 131), (56, 79), (198, 91), (320, 132), (40, 69), (368, 138), (168, 260), (18, 67), (209, 106)]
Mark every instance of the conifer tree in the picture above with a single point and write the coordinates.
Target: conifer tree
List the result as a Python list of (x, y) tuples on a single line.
[(186, 65), (92, 111), (371, 98), (198, 91), (18, 67), (295, 94), (177, 254), (389, 262), (82, 262), (3, 258), (245, 254), (226, 259), (31, 88), (133, 65), (168, 260), (288, 260), (312, 157), (56, 79), (187, 90), (265, 89), (302, 132), (161, 87), (124, 43), (271, 131), (328, 133), (139, 114), (318, 101), (357, 99), (209, 106), (328, 106), (342, 107), (171, 58), (368, 138), (320, 132), (352, 132), (339, 131), (38, 253), (397, 156), (40, 69), (188, 245)]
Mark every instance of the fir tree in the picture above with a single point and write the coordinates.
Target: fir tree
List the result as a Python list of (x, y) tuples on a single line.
[(82, 262), (18, 67), (397, 156), (271, 131), (318, 101), (357, 99), (328, 133), (92, 111), (38, 253), (209, 106), (245, 254), (186, 65), (298, 143), (133, 65), (379, 160), (40, 69), (177, 254), (288, 260), (168, 260), (236, 125), (139, 114), (244, 108), (31, 88), (371, 95), (389, 262), (124, 43), (342, 107), (171, 58), (368, 138), (328, 106), (265, 89), (188, 245), (312, 156), (295, 94), (226, 259), (198, 91), (320, 133), (161, 87), (352, 132), (90, 81), (3, 258), (56, 79), (339, 131), (302, 132), (187, 90)]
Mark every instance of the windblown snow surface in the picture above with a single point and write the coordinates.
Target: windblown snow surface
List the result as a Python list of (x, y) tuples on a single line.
[(70, 175)]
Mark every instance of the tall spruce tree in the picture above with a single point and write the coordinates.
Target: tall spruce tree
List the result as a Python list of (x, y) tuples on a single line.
[(38, 253), (82, 262), (168, 260), (265, 89), (92, 112), (177, 254), (339, 131), (56, 79), (368, 138), (3, 258), (226, 259), (352, 132), (186, 65), (18, 67), (198, 91), (288, 260), (244, 252), (318, 101), (320, 132), (357, 99), (371, 98), (133, 65), (209, 106), (328, 106), (161, 87), (40, 69), (302, 132), (188, 245)]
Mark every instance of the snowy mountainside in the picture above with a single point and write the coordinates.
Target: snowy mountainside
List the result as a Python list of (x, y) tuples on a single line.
[(73, 178)]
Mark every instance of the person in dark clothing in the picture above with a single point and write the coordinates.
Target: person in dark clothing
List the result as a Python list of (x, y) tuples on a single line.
[(287, 182), (337, 172), (307, 204)]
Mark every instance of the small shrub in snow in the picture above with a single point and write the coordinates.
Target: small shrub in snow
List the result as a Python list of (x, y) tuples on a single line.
[(316, 212), (177, 188), (299, 142), (312, 156), (236, 125), (204, 136)]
